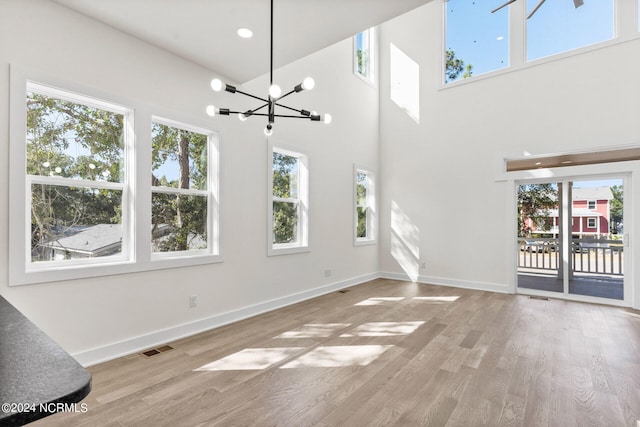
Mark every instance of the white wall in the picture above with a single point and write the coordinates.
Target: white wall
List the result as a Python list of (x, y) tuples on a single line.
[(441, 172), (99, 318)]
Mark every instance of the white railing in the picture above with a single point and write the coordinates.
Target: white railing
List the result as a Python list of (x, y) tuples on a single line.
[(589, 256)]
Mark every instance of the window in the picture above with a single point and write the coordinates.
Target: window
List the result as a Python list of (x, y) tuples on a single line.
[(76, 178), (181, 196), (591, 204), (288, 204), (476, 40), (591, 223), (364, 201), (78, 209), (558, 26), (364, 55)]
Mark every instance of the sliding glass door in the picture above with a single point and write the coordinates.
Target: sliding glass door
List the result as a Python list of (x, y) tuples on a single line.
[(571, 237)]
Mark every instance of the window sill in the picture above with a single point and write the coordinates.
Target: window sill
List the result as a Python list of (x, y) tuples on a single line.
[(75, 271), (364, 242), (287, 250)]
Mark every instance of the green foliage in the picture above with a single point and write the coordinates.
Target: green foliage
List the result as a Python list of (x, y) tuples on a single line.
[(361, 201), (285, 186), (454, 67), (534, 202), (78, 142), (363, 62), (179, 221), (616, 209)]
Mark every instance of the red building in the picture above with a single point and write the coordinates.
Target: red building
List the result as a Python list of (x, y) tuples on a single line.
[(590, 212)]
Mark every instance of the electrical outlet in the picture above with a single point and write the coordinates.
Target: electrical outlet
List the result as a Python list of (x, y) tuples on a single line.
[(193, 301), (328, 273)]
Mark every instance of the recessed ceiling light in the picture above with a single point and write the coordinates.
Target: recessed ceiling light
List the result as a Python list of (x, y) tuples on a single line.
[(245, 33)]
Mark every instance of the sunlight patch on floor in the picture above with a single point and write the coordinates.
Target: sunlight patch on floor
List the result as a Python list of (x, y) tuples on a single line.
[(379, 300), (251, 359), (338, 356), (436, 299), (383, 329), (314, 330)]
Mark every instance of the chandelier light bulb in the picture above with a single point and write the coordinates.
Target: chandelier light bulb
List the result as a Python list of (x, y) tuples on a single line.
[(216, 84), (211, 110), (268, 131), (308, 83), (327, 118), (242, 117), (275, 91), (245, 33), (46, 164)]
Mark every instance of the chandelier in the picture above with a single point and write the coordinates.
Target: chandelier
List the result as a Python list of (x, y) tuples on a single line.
[(272, 100)]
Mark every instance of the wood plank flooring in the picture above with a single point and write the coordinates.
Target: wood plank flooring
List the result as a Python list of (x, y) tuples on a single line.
[(386, 353)]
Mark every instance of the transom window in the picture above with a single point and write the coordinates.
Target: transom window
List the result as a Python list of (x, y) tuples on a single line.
[(364, 55), (364, 201), (476, 40), (558, 26), (478, 35), (288, 208)]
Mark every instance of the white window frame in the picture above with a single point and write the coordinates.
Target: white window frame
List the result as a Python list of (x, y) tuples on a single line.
[(136, 250), (371, 34), (626, 28), (370, 204), (211, 193), (302, 243), (593, 221), (595, 204)]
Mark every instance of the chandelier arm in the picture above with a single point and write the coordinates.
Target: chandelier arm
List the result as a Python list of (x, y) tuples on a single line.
[(289, 108), (251, 96)]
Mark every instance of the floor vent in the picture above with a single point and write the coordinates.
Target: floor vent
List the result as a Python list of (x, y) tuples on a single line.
[(540, 298), (344, 291), (156, 351)]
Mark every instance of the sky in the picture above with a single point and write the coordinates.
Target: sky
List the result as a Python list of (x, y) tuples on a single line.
[(481, 38)]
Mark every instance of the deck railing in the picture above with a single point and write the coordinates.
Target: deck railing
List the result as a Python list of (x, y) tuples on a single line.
[(589, 256)]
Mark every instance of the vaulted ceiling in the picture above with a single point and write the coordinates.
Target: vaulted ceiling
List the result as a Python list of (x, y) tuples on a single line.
[(204, 31)]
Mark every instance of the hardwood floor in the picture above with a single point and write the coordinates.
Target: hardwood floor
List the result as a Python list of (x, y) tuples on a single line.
[(386, 353)]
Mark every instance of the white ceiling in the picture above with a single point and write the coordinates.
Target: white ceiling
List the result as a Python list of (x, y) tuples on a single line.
[(204, 31)]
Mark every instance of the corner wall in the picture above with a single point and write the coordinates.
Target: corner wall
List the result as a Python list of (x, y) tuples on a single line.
[(101, 318), (438, 177)]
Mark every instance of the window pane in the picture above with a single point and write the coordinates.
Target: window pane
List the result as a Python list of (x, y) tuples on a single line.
[(179, 158), (477, 41), (362, 53), (558, 26), (285, 176), (179, 222), (73, 140), (361, 232), (74, 222), (285, 222), (361, 189)]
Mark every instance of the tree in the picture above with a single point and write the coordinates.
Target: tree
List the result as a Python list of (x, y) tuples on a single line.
[(616, 209), (454, 67), (534, 203), (285, 186), (184, 215), (72, 141)]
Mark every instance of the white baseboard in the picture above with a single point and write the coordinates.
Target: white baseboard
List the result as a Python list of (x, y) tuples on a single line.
[(440, 281), (153, 339)]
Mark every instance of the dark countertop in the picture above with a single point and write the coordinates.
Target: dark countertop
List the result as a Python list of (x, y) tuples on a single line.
[(37, 377)]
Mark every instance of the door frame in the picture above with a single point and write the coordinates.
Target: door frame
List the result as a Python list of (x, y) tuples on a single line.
[(629, 172)]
